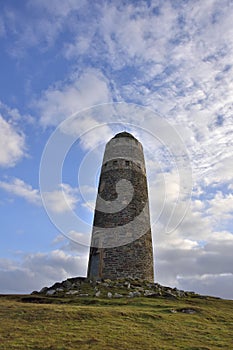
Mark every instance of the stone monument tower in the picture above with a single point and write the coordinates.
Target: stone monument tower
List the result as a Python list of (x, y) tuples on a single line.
[(121, 244)]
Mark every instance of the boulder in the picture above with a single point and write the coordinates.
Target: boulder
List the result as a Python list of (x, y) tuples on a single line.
[(117, 295), (51, 292), (72, 292)]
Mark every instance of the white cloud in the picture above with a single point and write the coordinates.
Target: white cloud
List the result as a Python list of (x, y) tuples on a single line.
[(58, 201), (89, 205), (81, 45), (39, 24), (61, 200), (60, 102), (221, 206), (12, 144), (77, 237), (74, 242), (88, 130), (19, 188), (35, 271)]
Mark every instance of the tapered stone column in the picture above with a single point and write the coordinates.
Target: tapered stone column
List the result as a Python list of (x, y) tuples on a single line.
[(121, 244)]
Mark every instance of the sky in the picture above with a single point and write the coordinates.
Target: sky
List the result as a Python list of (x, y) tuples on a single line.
[(72, 75)]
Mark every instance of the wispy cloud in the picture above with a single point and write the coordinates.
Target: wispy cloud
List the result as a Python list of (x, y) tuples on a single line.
[(37, 24), (12, 144), (82, 91), (61, 200), (19, 188), (58, 201)]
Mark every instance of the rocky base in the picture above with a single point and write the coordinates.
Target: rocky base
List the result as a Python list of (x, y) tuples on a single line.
[(127, 287)]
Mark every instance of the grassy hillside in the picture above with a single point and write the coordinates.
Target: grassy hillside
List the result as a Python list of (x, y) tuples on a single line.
[(42, 322)]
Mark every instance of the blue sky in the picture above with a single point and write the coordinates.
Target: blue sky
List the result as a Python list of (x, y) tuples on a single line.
[(75, 73)]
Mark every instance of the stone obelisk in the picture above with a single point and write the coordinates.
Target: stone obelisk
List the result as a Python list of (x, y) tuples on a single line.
[(121, 244)]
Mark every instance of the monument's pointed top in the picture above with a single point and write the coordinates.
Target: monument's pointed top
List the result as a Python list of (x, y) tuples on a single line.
[(124, 134)]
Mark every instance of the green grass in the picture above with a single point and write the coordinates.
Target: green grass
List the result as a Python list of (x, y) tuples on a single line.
[(91, 323)]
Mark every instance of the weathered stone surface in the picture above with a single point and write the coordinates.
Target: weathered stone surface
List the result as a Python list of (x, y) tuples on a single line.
[(67, 284), (169, 295), (72, 292), (97, 294), (117, 295), (188, 311), (148, 293), (121, 239), (173, 311), (131, 295), (51, 292)]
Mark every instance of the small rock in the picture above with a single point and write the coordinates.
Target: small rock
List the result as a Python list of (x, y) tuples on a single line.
[(148, 293), (105, 284), (51, 292), (188, 311), (169, 295), (134, 294), (72, 292), (109, 295), (97, 294), (83, 295), (180, 293), (117, 295), (119, 284), (154, 295), (67, 284), (108, 281), (59, 290)]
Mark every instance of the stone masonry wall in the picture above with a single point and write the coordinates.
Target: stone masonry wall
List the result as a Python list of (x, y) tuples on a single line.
[(121, 239)]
